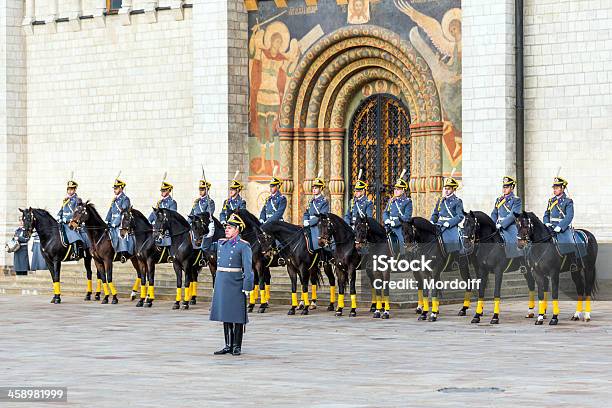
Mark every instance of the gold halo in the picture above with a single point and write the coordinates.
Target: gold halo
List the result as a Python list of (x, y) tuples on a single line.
[(449, 17), (273, 28)]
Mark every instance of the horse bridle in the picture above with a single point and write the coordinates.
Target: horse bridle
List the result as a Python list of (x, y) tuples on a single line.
[(30, 228), (367, 229), (330, 232)]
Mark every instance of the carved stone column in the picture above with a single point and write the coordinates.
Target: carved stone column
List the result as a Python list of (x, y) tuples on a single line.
[(286, 170), (336, 182), (311, 154), (426, 165)]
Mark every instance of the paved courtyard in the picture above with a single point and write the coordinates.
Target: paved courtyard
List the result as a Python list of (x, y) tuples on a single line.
[(122, 356)]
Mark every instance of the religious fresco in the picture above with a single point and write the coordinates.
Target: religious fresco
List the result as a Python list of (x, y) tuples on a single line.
[(281, 37)]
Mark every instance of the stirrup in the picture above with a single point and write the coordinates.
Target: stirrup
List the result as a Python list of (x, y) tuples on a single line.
[(281, 261)]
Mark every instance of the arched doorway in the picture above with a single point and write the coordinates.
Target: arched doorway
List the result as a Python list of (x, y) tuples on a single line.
[(379, 145)]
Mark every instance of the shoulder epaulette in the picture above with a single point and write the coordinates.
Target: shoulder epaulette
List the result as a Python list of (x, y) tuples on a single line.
[(246, 242)]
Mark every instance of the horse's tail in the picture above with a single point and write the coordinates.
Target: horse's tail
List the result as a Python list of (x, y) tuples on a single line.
[(590, 274)]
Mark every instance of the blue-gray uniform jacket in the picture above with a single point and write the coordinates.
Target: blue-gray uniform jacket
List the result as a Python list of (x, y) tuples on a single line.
[(274, 208), (65, 215), (358, 208), (169, 203), (232, 204), (506, 208), (202, 205), (38, 262), (398, 210), (234, 274), (120, 203), (318, 205), (449, 209), (560, 213), (21, 260)]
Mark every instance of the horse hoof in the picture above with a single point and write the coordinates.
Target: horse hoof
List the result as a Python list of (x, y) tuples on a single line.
[(419, 310), (554, 321), (422, 317), (433, 317), (57, 300), (291, 311), (386, 315), (587, 316), (97, 297), (376, 314), (262, 308), (87, 296), (140, 303), (372, 307), (539, 321), (463, 311), (530, 314), (176, 305), (494, 320), (339, 312), (133, 296), (192, 301), (115, 300), (331, 307), (105, 300), (353, 313), (149, 303), (185, 305), (300, 306), (304, 311), (313, 305), (476, 319), (53, 299), (250, 307)]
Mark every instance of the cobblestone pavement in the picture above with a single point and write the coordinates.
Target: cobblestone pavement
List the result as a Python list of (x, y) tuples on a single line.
[(122, 356)]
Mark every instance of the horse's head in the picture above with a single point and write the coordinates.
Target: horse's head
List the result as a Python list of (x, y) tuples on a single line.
[(79, 215), (326, 230), (28, 218), (128, 221), (199, 226), (161, 224), (362, 228), (410, 236), (525, 229), (471, 226), (267, 243)]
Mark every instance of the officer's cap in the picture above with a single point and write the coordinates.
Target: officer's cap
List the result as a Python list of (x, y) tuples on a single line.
[(509, 181), (235, 184), (72, 184), (401, 183), (559, 181), (236, 221), (204, 184), (361, 185), (451, 182), (319, 182), (166, 186), (119, 183), (276, 181)]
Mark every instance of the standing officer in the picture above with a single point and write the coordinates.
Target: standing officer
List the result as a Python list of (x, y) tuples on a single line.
[(234, 201), (166, 201), (360, 206), (507, 208), (233, 284), (399, 209), (123, 245), (447, 214), (201, 205), (275, 205), (77, 237), (21, 260), (559, 215), (318, 205)]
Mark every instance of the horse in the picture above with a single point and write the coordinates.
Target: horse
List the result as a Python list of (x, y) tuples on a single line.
[(338, 236), (53, 250), (185, 256), (484, 238), (422, 238), (300, 260), (546, 262), (369, 231), (101, 247)]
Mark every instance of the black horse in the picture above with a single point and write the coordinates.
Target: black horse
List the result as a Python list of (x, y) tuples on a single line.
[(481, 234), (370, 233), (300, 260), (54, 252), (422, 238), (101, 247), (185, 256), (546, 262), (338, 237)]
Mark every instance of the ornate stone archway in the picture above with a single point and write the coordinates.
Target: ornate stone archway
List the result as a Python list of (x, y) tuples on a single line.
[(314, 112)]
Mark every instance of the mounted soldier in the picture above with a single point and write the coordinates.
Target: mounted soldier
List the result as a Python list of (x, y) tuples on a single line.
[(447, 214), (398, 210), (204, 204), (166, 201), (318, 205), (558, 217), (507, 208), (276, 203), (234, 201), (122, 244), (360, 206), (233, 284), (76, 237)]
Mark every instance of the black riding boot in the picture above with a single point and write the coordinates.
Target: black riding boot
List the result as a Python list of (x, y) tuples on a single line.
[(237, 341), (228, 333)]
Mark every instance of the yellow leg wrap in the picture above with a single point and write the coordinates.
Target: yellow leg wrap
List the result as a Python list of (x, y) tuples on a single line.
[(378, 302), (541, 306), (136, 285), (194, 289), (531, 299), (253, 297), (294, 301), (89, 285), (426, 304), (314, 292), (496, 305), (386, 302), (188, 293), (112, 288), (587, 304), (178, 295), (151, 292), (555, 307), (143, 292), (332, 294), (467, 297), (56, 288), (105, 287), (420, 295), (579, 305), (341, 301), (480, 306), (435, 305), (99, 286), (353, 301), (545, 300), (263, 295), (267, 293), (305, 299)]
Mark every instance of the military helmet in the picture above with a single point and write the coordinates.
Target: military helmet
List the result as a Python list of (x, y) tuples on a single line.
[(166, 186), (559, 181), (119, 183), (401, 183), (236, 221), (72, 184), (509, 181), (204, 184), (319, 182), (451, 182), (361, 185), (235, 184), (275, 181)]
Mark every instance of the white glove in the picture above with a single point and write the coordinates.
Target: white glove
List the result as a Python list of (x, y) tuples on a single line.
[(446, 224), (498, 226), (387, 221), (247, 292), (393, 223), (306, 223), (557, 229), (312, 217), (548, 224), (261, 221)]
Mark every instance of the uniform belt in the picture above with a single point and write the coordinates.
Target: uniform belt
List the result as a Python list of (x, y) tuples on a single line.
[(222, 269), (556, 219)]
